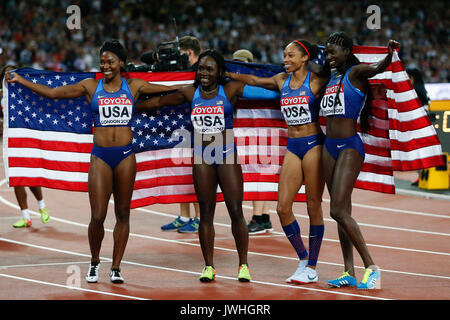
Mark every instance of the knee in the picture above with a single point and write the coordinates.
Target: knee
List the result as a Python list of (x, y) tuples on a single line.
[(206, 212), (314, 208), (235, 210), (97, 219), (338, 211), (284, 211), (122, 215), (313, 205)]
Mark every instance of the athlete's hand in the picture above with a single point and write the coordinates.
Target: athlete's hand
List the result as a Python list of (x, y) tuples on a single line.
[(393, 45), (12, 77)]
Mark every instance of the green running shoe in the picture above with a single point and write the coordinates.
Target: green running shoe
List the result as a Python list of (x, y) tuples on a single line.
[(45, 217), (208, 274), (244, 273), (22, 223)]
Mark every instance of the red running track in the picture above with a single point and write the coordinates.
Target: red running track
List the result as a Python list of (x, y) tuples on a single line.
[(407, 236)]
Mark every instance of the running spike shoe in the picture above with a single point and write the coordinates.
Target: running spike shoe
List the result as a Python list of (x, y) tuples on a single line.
[(301, 265), (115, 276), (208, 274), (244, 273), (45, 217), (371, 280), (92, 275), (309, 275), (346, 280), (22, 223), (174, 225)]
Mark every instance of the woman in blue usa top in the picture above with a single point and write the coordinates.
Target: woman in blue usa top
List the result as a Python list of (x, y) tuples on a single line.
[(300, 92), (347, 97), (216, 164), (113, 164)]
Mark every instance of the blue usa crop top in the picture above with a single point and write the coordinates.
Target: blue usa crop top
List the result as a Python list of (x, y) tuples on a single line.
[(112, 109), (211, 116), (299, 106), (349, 102)]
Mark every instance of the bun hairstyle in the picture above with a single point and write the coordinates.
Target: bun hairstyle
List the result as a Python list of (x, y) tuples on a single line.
[(115, 47), (311, 50)]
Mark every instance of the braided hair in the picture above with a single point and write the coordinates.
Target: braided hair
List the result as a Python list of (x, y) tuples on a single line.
[(221, 66), (343, 40)]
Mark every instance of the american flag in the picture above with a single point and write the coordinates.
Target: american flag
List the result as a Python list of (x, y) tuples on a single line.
[(48, 142)]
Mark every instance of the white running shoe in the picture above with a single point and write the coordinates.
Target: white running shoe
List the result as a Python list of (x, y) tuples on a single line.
[(92, 275), (301, 265), (115, 276), (308, 275)]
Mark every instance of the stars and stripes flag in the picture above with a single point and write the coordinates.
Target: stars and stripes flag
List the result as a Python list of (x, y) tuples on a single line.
[(401, 136), (48, 142)]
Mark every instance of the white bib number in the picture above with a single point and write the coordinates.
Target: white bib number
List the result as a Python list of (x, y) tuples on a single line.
[(115, 111), (296, 110), (208, 120), (330, 104)]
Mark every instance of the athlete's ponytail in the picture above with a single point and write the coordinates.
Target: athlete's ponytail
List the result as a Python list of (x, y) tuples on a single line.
[(311, 50)]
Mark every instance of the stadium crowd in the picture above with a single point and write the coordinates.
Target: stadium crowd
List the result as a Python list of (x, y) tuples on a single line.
[(34, 33)]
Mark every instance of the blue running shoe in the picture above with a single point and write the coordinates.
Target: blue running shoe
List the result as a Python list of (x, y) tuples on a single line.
[(191, 226), (346, 280), (174, 225), (370, 280)]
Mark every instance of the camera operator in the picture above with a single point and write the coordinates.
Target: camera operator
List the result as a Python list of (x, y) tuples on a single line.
[(167, 56), (191, 47)]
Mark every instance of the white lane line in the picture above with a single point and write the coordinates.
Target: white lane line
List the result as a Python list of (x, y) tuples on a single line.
[(70, 287), (418, 213), (42, 264), (178, 270), (232, 250), (304, 236)]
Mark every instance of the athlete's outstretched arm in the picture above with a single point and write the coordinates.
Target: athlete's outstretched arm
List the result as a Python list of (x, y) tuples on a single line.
[(144, 87), (268, 83), (63, 92), (364, 71), (171, 99)]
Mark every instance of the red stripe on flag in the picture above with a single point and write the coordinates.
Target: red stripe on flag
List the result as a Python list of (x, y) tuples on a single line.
[(16, 162), (49, 145), (48, 183)]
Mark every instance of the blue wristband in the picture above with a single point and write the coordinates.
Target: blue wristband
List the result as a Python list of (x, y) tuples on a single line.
[(252, 92)]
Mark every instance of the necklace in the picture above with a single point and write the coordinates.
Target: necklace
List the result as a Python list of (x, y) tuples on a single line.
[(208, 92)]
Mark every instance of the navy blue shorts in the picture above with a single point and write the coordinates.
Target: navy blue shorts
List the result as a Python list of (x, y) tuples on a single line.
[(112, 155), (300, 146), (214, 155), (335, 146)]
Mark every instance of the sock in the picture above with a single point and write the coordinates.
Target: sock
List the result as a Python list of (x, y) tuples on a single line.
[(41, 204), (265, 217), (26, 214), (315, 241), (184, 219), (292, 232)]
